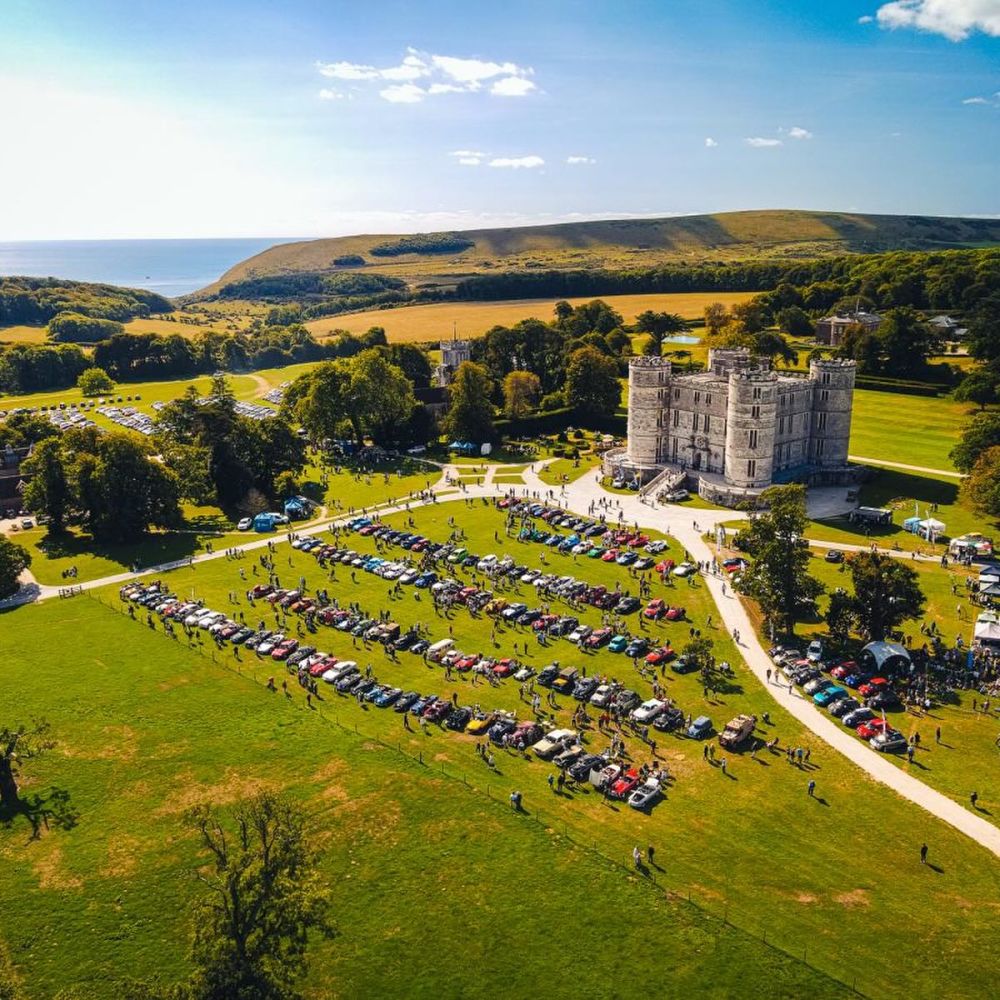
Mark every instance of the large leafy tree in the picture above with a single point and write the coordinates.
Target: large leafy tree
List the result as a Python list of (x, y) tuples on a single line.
[(778, 578), (906, 341), (886, 593), (22, 429), (470, 410), (521, 393), (984, 330), (263, 898), (982, 486), (14, 560), (49, 490), (379, 397), (981, 432), (94, 381), (981, 387), (413, 362), (592, 385), (18, 746), (658, 325), (318, 400)]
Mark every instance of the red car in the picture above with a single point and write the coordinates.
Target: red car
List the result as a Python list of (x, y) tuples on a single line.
[(505, 667), (673, 614), (505, 503), (465, 593), (545, 622), (467, 662), (844, 669), (275, 596), (664, 566), (871, 728), (610, 556), (322, 666), (285, 649), (262, 590), (636, 540), (300, 607), (599, 638), (368, 529), (664, 654), (626, 784), (875, 685), (656, 609)]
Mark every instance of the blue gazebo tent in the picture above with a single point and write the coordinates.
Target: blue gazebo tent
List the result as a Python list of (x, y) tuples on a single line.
[(263, 522)]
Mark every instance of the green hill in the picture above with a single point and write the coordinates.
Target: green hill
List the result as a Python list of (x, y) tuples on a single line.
[(440, 259)]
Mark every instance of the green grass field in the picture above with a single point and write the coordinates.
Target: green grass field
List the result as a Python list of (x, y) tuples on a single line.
[(149, 726)]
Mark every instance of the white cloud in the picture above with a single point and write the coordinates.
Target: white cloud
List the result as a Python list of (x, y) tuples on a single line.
[(580, 160), (444, 75), (469, 157), (467, 152), (710, 143), (512, 86), (993, 101), (347, 71), (758, 142), (865, 19), (469, 161), (799, 133), (954, 19), (403, 93), (328, 94), (517, 162)]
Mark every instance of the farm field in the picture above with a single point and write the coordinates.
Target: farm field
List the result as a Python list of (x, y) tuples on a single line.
[(22, 334), (435, 321), (166, 727)]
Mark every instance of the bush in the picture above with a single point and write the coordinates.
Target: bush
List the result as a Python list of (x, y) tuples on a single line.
[(94, 382), (349, 260), (75, 328), (423, 243)]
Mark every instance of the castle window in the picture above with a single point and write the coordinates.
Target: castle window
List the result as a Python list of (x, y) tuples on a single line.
[(824, 395), (756, 393), (821, 422), (673, 450), (755, 412), (677, 418), (819, 446), (697, 398), (707, 419), (752, 439), (826, 378), (694, 421), (677, 393), (751, 467), (708, 399)]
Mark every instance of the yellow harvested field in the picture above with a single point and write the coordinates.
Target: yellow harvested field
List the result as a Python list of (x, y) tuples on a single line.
[(472, 319), (22, 335)]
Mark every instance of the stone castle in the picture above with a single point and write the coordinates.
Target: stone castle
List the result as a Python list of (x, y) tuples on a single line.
[(737, 427)]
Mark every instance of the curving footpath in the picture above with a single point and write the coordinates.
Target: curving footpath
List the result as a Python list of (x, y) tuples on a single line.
[(687, 525)]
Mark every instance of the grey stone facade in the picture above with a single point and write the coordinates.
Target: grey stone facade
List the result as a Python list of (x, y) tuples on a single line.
[(740, 426), (453, 353)]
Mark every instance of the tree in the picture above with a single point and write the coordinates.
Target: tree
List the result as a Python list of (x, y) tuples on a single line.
[(886, 593), (379, 397), (777, 578), (984, 322), (17, 747), (14, 560), (470, 412), (840, 618), (657, 325), (73, 326), (318, 400), (979, 387), (982, 432), (264, 897), (286, 484), (716, 317), (795, 322), (94, 382), (906, 342), (49, 490), (413, 362), (521, 393), (592, 385), (22, 429), (982, 486)]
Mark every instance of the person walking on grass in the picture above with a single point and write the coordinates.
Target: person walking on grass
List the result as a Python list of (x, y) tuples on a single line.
[(923, 854), (637, 857), (812, 789)]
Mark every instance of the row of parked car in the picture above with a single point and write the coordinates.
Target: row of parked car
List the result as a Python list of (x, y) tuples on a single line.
[(858, 710), (560, 746)]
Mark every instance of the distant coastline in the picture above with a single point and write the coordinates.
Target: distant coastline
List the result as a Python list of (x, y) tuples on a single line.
[(170, 267)]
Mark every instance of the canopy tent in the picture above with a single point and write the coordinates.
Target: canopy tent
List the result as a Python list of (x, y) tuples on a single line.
[(974, 544), (886, 656), (263, 522), (986, 631), (926, 527)]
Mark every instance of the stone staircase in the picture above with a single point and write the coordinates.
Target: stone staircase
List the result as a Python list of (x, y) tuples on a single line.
[(669, 479)]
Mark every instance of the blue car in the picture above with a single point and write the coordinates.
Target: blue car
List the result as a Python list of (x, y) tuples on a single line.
[(387, 696), (829, 695), (700, 728), (425, 580), (618, 644)]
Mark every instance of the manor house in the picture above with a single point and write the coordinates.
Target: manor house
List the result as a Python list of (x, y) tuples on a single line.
[(739, 426)]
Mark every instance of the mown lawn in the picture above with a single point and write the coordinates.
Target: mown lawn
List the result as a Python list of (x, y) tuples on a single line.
[(812, 874), (438, 890)]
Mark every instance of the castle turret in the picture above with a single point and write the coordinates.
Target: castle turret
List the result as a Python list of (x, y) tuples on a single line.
[(833, 397), (648, 400), (750, 423)]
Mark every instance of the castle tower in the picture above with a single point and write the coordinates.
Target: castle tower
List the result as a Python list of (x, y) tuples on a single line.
[(833, 398), (648, 400), (751, 417)]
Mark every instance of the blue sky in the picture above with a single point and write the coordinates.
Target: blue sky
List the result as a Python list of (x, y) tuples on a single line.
[(301, 118)]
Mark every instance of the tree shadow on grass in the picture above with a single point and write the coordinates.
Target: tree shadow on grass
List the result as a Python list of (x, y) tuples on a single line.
[(151, 550), (52, 809)]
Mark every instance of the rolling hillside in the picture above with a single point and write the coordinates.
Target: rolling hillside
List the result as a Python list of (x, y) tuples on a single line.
[(622, 243)]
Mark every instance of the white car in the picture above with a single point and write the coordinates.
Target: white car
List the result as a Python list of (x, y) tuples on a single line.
[(648, 710), (580, 548), (685, 569), (207, 621), (244, 524), (531, 576), (656, 547), (580, 633), (550, 744), (603, 695), (486, 563), (192, 618), (269, 645), (814, 653), (646, 794), (409, 576)]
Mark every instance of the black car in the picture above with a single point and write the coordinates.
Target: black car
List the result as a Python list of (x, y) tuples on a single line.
[(404, 701), (683, 665), (627, 606), (842, 706), (834, 556), (547, 677), (580, 770), (669, 719), (405, 641), (420, 646), (457, 719), (585, 687)]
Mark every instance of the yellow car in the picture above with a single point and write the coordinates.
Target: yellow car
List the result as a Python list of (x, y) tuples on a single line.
[(478, 726)]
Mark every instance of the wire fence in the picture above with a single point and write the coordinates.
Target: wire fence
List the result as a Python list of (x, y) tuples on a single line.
[(717, 909)]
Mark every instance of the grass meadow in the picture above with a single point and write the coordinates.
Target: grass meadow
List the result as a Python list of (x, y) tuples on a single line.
[(149, 726)]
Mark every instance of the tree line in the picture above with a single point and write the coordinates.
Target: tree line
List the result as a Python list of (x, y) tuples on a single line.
[(35, 301)]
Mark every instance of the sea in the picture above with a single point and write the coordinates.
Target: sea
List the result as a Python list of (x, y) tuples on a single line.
[(169, 267)]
